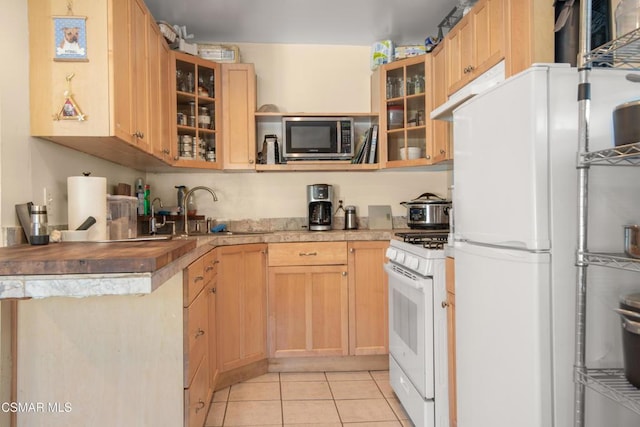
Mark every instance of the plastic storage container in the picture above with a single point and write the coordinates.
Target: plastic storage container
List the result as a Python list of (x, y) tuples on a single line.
[(122, 218)]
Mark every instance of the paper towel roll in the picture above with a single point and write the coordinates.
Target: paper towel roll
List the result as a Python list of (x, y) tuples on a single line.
[(87, 196)]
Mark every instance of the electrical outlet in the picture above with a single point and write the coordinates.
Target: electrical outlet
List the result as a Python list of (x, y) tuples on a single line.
[(48, 198)]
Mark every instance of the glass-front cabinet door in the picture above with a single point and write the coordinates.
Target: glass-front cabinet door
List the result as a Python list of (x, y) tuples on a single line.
[(404, 109), (196, 114)]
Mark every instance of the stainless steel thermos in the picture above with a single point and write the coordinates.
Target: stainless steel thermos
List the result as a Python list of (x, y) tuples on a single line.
[(39, 234), (350, 219)]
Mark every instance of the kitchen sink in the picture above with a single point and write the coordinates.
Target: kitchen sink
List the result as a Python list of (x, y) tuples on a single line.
[(240, 233), (139, 239)]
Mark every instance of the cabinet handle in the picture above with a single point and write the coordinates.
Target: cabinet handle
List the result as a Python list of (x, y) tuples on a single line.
[(138, 134), (200, 405), (444, 304), (198, 278), (209, 268), (213, 290), (250, 161), (442, 152), (471, 68), (166, 151), (308, 253), (199, 333), (216, 261)]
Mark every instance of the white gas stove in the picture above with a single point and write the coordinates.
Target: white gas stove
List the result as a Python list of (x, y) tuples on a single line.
[(418, 326)]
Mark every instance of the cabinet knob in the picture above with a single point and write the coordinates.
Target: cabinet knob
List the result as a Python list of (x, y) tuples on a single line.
[(200, 405), (344, 273), (250, 161), (428, 156), (199, 333), (444, 304), (352, 250)]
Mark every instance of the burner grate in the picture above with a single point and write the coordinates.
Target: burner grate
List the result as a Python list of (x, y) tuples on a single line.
[(428, 240)]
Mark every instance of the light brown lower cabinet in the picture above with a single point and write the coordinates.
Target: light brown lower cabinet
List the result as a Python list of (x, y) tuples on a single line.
[(241, 305), (327, 299), (368, 298), (451, 339), (197, 328), (308, 311), (211, 277)]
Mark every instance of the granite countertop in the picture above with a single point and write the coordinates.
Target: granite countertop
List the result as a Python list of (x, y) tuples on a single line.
[(81, 269)]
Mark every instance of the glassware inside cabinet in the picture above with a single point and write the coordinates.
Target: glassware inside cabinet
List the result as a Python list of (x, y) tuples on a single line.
[(206, 82), (395, 83), (415, 111), (185, 77), (415, 79)]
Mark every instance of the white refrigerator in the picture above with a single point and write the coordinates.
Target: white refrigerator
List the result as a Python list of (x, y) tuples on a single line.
[(515, 217)]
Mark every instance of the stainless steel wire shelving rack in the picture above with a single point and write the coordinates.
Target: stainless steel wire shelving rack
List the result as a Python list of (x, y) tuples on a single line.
[(621, 53)]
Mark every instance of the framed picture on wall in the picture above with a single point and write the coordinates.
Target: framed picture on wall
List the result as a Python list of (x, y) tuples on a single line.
[(70, 36)]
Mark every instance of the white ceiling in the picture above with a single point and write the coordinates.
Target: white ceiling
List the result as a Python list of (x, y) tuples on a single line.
[(345, 22)]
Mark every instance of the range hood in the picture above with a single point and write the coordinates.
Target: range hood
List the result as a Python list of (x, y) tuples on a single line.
[(491, 77)]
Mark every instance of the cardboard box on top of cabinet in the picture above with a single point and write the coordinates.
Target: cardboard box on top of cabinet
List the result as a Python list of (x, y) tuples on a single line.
[(381, 53), (401, 52)]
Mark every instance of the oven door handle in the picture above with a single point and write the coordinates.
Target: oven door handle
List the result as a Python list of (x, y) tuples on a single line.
[(403, 279)]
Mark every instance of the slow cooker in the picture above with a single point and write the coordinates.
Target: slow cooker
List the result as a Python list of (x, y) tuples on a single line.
[(428, 211)]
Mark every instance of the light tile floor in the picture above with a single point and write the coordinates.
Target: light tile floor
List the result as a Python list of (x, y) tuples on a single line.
[(322, 399)]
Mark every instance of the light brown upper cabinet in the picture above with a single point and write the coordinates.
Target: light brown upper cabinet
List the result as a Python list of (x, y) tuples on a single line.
[(113, 87), (238, 116), (195, 112), (440, 131), (476, 43)]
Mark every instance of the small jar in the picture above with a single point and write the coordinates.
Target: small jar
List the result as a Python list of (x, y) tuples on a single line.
[(204, 119)]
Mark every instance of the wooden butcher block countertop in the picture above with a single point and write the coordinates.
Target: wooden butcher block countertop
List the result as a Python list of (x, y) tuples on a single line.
[(92, 257)]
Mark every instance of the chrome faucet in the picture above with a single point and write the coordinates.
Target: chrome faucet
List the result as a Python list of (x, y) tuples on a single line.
[(186, 198), (153, 226)]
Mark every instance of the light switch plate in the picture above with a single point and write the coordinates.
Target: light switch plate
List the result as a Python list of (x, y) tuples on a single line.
[(380, 217)]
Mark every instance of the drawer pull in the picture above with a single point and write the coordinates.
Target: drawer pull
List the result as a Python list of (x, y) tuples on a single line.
[(200, 405), (199, 333), (198, 278), (308, 253), (209, 268), (216, 261), (213, 290)]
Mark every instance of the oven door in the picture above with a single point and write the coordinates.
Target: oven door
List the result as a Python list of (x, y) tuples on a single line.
[(411, 326)]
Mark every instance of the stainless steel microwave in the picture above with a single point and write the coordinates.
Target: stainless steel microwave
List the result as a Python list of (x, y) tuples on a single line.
[(317, 138)]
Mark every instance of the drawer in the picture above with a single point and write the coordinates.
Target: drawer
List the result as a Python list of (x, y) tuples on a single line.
[(196, 336), (193, 281), (210, 265), (196, 397), (307, 253)]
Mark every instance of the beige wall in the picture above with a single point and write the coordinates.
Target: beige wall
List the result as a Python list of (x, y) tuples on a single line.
[(304, 78)]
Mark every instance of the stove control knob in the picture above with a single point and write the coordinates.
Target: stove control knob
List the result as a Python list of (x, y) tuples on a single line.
[(412, 263), (391, 253)]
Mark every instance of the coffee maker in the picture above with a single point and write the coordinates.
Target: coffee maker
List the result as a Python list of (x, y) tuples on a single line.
[(319, 198)]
